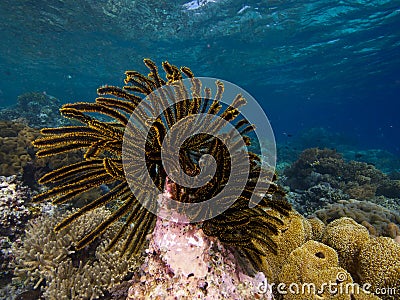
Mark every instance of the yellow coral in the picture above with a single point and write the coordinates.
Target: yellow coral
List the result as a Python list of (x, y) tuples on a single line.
[(15, 140), (347, 237), (296, 231), (317, 227), (393, 230), (312, 272), (379, 266)]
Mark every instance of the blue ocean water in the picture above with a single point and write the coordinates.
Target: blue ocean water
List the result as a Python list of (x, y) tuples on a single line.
[(333, 65)]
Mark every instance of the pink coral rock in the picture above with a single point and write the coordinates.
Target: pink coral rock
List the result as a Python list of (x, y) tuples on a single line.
[(182, 262)]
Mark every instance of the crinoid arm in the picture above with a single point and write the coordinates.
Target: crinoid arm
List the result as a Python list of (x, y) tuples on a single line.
[(101, 133)]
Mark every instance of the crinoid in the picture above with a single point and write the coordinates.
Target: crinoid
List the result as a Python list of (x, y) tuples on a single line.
[(246, 227)]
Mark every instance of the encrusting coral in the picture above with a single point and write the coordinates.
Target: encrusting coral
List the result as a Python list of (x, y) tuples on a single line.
[(376, 218), (49, 260), (248, 229), (182, 262)]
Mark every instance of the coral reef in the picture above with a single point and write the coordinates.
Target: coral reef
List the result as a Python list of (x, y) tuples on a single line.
[(15, 147), (35, 109), (14, 210), (17, 155), (14, 213), (381, 159), (322, 176), (378, 219), (379, 265), (389, 188), (49, 260), (318, 195), (182, 262), (299, 173), (247, 228)]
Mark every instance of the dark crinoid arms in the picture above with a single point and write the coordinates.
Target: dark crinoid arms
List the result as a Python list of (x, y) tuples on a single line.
[(101, 133)]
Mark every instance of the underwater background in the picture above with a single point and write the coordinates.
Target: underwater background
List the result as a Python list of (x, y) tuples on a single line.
[(328, 64), (327, 75)]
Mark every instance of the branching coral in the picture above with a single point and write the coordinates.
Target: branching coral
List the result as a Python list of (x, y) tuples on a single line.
[(49, 259), (247, 228)]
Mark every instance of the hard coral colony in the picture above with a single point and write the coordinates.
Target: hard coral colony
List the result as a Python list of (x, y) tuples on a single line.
[(220, 250), (247, 229)]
